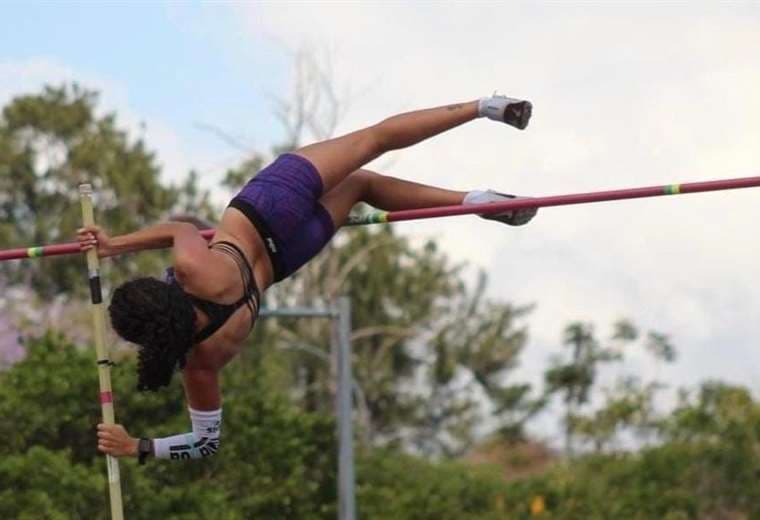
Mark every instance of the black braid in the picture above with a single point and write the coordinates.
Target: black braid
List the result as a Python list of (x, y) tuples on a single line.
[(160, 319)]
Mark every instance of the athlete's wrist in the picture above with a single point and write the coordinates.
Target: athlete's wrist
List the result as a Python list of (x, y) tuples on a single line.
[(134, 447), (144, 449)]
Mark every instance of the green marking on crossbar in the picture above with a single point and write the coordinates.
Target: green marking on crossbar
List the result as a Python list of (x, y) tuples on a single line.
[(672, 189), (34, 252)]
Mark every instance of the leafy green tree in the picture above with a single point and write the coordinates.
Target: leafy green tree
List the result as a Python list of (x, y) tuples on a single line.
[(49, 143), (705, 466), (42, 483), (473, 349), (411, 316), (575, 378), (275, 462), (629, 405), (723, 421), (394, 486)]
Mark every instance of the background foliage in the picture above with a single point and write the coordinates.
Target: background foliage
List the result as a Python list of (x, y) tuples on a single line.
[(278, 461), (444, 427)]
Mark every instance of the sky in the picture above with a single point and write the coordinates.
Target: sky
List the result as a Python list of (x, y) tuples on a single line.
[(625, 95)]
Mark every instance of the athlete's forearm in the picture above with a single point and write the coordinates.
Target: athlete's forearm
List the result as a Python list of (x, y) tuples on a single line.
[(202, 442), (158, 236)]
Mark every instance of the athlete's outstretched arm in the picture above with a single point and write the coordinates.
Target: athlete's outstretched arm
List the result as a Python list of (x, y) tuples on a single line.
[(201, 386), (182, 236), (202, 441), (191, 219), (205, 409)]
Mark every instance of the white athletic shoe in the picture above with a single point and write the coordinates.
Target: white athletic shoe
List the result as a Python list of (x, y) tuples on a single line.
[(517, 217), (514, 112)]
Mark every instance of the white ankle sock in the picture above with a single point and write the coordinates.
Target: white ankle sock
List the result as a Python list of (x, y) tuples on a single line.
[(476, 197), (482, 104)]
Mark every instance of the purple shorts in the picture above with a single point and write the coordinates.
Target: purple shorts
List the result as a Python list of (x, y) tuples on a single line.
[(282, 202)]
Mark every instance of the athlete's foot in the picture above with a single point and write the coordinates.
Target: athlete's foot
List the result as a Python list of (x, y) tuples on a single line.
[(514, 112), (516, 217)]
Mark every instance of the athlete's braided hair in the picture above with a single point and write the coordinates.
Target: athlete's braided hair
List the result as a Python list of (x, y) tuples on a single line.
[(160, 319)]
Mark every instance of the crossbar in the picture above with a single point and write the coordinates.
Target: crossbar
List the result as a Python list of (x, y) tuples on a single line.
[(378, 217)]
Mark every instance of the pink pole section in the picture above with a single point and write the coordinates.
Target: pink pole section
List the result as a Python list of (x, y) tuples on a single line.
[(556, 200), (59, 249)]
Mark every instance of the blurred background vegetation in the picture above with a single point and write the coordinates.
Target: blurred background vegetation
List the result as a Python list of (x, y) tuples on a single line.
[(444, 428)]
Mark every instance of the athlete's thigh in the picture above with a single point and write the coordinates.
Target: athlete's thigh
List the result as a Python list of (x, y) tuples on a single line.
[(335, 159)]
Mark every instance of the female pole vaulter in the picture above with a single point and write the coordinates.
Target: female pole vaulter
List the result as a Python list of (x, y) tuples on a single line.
[(197, 319)]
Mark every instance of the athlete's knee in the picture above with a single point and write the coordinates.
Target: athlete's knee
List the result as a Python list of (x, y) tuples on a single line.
[(357, 186), (360, 180), (365, 180)]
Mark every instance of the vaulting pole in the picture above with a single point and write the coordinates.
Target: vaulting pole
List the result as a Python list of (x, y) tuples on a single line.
[(104, 362), (377, 217)]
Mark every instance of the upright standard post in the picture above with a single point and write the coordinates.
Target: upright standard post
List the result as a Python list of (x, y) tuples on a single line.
[(345, 416), (104, 362)]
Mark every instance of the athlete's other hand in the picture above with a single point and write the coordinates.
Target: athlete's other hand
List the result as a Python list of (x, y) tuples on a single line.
[(114, 440), (94, 236)]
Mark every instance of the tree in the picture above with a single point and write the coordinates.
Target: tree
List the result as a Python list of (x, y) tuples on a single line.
[(410, 313), (723, 420), (276, 461), (628, 405), (473, 349), (49, 143), (575, 378)]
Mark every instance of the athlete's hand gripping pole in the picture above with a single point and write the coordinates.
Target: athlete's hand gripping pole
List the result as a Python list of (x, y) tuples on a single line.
[(104, 362)]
